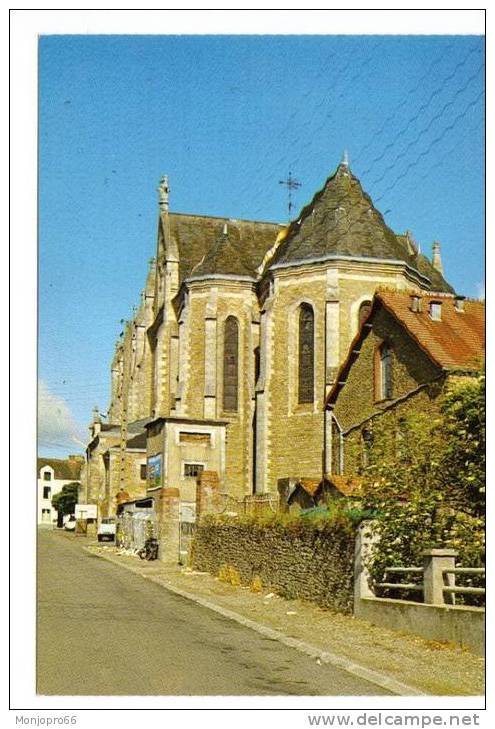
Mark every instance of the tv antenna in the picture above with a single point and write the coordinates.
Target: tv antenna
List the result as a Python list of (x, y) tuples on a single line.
[(291, 184)]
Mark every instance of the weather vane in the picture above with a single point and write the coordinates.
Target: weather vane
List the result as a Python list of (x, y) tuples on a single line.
[(291, 184)]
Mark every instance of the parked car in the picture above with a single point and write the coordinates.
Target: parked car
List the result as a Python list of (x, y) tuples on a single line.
[(107, 529), (70, 524)]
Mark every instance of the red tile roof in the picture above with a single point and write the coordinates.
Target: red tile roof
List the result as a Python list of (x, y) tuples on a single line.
[(456, 342), (347, 485)]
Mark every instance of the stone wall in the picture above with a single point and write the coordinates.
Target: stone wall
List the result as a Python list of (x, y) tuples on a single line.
[(302, 559)]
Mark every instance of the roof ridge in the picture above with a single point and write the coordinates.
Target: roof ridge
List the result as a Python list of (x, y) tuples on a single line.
[(226, 218)]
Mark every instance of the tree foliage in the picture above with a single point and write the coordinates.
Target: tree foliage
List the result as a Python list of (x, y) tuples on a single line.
[(426, 479), (66, 499)]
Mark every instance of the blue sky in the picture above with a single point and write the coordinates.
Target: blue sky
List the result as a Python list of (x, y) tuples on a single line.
[(227, 118)]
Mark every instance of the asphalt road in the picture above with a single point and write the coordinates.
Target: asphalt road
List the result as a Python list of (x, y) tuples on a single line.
[(105, 631)]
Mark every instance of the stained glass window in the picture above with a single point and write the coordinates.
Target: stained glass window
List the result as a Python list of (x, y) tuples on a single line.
[(306, 353), (231, 364)]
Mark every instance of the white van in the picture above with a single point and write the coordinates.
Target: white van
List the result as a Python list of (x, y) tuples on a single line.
[(107, 529)]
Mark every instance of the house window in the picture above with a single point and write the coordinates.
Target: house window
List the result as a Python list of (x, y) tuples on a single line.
[(306, 353), (366, 446), (364, 310), (142, 471), (231, 364), (45, 514), (337, 465), (47, 492), (47, 476), (193, 469), (384, 378)]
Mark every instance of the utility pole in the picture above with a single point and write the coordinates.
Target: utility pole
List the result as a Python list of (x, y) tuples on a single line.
[(291, 184)]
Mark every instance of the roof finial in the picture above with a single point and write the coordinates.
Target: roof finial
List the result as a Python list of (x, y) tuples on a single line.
[(163, 190), (345, 159)]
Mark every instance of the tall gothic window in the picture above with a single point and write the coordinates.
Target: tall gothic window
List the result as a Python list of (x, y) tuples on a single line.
[(306, 353), (231, 364)]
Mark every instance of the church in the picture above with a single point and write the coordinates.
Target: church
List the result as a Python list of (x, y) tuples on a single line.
[(236, 343)]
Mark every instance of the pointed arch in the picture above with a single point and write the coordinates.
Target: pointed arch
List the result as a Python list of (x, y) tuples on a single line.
[(306, 358), (364, 310), (231, 364)]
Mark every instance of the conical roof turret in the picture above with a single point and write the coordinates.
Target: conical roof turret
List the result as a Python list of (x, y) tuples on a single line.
[(341, 220)]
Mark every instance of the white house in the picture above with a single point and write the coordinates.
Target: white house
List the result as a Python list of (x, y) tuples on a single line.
[(53, 474)]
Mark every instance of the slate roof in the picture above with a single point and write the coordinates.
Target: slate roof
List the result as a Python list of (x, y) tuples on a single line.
[(203, 249), (342, 220), (138, 441), (64, 470), (456, 343)]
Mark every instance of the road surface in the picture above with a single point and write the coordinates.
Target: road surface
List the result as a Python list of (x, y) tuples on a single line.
[(105, 631)]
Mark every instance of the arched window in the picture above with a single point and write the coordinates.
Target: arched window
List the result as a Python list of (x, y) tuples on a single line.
[(364, 310), (306, 353), (230, 364), (385, 371)]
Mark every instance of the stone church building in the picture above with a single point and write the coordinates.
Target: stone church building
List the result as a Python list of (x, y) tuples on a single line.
[(240, 331)]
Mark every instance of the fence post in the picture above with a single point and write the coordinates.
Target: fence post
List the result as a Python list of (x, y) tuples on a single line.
[(435, 561), (365, 540)]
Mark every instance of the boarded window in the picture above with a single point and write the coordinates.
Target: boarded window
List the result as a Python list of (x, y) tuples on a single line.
[(198, 438), (231, 364), (306, 353), (193, 469)]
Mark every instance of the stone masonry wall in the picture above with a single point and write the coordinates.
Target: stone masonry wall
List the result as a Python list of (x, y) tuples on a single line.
[(357, 400), (299, 560)]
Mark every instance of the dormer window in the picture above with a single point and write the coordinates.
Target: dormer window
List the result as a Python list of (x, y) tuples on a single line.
[(436, 310), (459, 304)]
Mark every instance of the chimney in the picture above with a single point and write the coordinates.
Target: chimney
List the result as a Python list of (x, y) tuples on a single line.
[(416, 303), (436, 258)]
